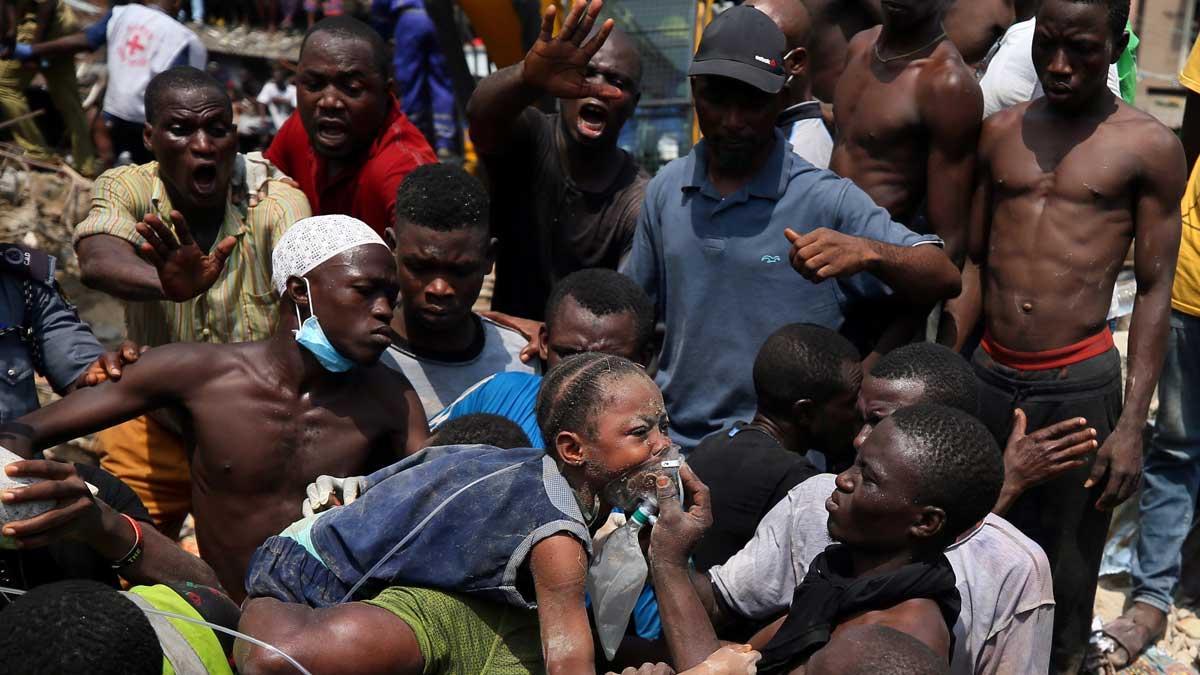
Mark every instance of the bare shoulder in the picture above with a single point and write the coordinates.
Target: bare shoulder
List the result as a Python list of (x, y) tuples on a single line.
[(864, 39), (1000, 125), (1146, 137), (945, 74), (189, 365)]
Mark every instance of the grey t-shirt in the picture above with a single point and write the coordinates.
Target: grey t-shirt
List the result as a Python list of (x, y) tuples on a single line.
[(1007, 613), (438, 383)]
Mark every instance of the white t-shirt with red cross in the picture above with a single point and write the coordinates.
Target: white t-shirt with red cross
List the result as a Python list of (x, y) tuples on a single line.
[(143, 42)]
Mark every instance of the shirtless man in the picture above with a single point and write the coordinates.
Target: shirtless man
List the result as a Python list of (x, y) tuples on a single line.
[(973, 27), (266, 418), (908, 112), (1065, 184)]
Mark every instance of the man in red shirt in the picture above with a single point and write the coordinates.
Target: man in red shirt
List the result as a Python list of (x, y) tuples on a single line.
[(348, 144)]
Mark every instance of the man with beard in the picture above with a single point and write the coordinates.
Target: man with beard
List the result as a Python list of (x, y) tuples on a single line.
[(348, 144), (720, 225), (565, 196)]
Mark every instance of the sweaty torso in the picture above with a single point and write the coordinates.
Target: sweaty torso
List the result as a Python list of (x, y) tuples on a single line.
[(883, 141), (1063, 193), (258, 445)]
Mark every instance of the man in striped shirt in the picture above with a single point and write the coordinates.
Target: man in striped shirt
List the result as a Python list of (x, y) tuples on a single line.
[(214, 288)]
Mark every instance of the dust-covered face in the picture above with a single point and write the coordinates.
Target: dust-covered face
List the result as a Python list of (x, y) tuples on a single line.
[(629, 430)]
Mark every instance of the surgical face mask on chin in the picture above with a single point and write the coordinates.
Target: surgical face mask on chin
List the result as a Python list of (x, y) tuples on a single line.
[(312, 337)]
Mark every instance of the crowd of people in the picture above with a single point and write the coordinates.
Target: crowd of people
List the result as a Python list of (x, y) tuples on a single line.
[(836, 392)]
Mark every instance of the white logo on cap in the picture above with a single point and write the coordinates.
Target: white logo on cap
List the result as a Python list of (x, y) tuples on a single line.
[(763, 60)]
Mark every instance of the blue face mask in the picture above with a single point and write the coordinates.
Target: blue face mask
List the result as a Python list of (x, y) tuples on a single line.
[(312, 337)]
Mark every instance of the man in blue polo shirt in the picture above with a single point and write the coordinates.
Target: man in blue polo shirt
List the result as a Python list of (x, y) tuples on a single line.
[(719, 227)]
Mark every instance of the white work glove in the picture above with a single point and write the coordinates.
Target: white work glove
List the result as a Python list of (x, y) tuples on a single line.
[(328, 491)]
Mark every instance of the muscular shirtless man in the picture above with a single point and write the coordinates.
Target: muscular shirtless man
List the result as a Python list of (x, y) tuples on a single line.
[(973, 27), (266, 418), (908, 113), (1065, 184)]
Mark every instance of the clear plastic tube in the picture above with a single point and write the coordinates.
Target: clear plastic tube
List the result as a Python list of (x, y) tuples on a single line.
[(222, 629)]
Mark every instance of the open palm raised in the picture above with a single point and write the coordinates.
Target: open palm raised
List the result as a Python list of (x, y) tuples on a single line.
[(558, 64), (184, 270)]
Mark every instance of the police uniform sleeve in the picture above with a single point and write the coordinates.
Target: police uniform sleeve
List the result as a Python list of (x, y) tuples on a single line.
[(67, 344)]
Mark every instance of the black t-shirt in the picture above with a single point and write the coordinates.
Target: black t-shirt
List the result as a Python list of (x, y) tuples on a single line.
[(747, 473), (70, 559), (548, 227)]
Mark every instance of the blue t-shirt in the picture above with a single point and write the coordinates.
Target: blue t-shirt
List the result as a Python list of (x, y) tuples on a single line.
[(718, 272), (510, 395)]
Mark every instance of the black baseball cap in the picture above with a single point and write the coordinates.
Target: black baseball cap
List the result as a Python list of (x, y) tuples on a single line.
[(744, 44)]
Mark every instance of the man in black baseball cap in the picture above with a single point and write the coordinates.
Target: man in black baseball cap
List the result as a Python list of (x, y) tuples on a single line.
[(736, 75), (720, 225), (745, 45)]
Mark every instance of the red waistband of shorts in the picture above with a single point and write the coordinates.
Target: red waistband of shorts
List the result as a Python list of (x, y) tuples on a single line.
[(1051, 358)]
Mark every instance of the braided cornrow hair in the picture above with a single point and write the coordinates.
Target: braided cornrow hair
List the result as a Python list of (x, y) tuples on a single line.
[(573, 391)]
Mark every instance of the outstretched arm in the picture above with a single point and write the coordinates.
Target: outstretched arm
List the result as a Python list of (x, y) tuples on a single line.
[(326, 640), (556, 65), (559, 565), (1156, 233), (110, 264), (93, 37), (918, 274), (162, 377), (165, 266)]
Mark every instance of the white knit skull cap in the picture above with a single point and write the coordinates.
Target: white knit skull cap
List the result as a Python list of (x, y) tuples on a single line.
[(314, 240)]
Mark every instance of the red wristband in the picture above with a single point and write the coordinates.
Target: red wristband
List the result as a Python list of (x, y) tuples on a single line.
[(134, 553)]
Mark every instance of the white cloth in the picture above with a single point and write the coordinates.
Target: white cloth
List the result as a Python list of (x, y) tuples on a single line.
[(280, 102), (439, 383), (312, 241), (811, 140), (1003, 577), (1010, 77), (143, 42)]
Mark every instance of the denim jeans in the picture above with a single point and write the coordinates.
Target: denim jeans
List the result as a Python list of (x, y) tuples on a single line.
[(1172, 468)]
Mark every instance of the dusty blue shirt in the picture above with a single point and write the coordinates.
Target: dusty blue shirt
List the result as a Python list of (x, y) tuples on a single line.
[(717, 270), (66, 343)]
